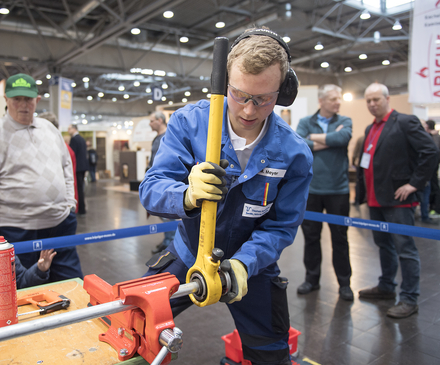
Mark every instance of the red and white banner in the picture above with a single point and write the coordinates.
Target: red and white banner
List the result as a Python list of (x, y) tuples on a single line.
[(424, 74)]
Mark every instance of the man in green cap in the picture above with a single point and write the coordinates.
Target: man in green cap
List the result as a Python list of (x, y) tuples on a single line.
[(36, 185)]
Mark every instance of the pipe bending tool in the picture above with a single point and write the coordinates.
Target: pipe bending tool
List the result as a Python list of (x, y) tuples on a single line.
[(205, 270)]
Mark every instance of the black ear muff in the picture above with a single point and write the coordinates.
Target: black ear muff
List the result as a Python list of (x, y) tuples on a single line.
[(289, 87)]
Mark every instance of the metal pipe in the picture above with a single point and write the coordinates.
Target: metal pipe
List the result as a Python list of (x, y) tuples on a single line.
[(79, 315)]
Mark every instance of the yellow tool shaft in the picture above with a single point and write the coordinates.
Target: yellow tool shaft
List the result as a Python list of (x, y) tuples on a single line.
[(205, 266)]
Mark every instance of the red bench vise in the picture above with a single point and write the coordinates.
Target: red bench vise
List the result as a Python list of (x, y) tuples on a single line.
[(136, 330)]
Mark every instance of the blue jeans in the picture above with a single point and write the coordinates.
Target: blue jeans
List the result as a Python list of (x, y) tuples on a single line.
[(65, 264), (395, 248), (424, 204)]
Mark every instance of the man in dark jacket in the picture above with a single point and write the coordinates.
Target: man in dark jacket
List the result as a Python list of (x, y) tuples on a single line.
[(327, 134), (78, 145), (398, 159)]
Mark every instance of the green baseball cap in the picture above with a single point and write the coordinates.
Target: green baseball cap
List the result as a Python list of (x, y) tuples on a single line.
[(21, 85)]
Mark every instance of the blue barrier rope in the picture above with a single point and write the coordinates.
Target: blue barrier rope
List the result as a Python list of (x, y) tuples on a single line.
[(86, 238), (374, 225), (116, 234)]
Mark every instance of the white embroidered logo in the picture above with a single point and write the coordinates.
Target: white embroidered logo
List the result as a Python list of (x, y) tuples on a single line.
[(255, 211)]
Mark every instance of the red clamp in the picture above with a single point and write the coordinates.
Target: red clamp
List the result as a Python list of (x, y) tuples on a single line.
[(136, 330)]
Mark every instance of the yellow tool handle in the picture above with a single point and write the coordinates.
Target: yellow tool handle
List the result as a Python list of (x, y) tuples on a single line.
[(206, 267)]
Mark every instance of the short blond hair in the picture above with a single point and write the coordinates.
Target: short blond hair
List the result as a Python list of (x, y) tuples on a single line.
[(256, 53)]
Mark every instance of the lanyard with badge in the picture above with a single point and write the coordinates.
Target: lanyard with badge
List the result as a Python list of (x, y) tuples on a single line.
[(366, 156)]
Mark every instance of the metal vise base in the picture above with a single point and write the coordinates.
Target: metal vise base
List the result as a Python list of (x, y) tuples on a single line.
[(136, 330)]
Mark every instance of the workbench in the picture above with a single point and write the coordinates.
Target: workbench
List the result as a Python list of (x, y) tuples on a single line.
[(73, 344)]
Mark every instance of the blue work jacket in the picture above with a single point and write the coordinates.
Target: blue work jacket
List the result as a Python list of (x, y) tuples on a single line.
[(265, 204)]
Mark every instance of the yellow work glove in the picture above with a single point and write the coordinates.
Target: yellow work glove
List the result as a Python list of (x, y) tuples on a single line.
[(239, 276), (205, 183)]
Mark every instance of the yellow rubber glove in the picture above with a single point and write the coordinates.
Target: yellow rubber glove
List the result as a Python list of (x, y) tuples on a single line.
[(239, 276), (205, 183)]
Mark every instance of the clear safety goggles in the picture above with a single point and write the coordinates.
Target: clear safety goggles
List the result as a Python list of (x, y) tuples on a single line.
[(242, 97)]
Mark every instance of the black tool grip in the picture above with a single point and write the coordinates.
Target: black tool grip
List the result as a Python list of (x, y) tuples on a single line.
[(219, 61)]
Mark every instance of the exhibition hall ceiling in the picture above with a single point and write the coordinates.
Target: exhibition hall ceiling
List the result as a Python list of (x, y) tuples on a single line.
[(139, 44)]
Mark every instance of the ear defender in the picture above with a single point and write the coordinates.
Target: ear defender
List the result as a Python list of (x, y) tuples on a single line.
[(289, 87)]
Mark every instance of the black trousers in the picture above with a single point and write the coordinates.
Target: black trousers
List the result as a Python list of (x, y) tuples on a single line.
[(80, 185), (333, 204)]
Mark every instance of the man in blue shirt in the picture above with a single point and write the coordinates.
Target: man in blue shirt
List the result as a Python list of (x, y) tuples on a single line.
[(327, 134), (261, 191)]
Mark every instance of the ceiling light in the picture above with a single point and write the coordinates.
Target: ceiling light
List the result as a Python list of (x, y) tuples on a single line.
[(84, 121), (38, 82), (164, 98), (164, 86), (46, 95), (220, 24), (121, 88), (376, 36), (325, 64), (363, 56), (128, 131), (319, 46), (184, 100), (170, 103), (89, 97), (126, 96), (187, 93), (160, 73), (168, 14), (48, 76), (119, 126), (147, 71), (184, 39), (397, 25), (100, 94), (135, 31), (208, 96), (136, 83), (286, 39), (83, 115), (114, 99), (4, 11), (365, 15), (288, 13), (205, 90), (148, 90), (386, 62), (73, 84), (348, 96), (150, 101), (86, 79), (348, 69), (114, 132), (92, 117)]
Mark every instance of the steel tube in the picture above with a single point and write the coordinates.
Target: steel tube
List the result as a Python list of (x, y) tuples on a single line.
[(79, 315)]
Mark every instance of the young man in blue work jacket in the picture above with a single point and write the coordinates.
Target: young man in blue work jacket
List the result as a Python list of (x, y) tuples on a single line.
[(262, 190)]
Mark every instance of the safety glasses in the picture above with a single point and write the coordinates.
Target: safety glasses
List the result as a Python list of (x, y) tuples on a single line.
[(259, 100)]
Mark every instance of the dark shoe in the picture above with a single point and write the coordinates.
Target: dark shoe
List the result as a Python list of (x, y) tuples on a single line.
[(306, 288), (428, 221), (346, 293), (159, 248), (376, 293), (402, 310)]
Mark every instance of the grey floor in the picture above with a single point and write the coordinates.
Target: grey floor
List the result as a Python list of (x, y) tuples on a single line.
[(332, 331)]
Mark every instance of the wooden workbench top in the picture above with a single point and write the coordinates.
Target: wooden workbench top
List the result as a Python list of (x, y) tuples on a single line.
[(73, 344)]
